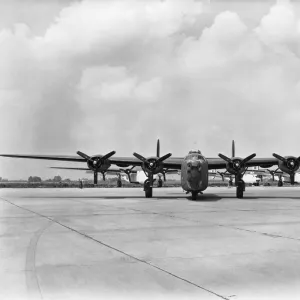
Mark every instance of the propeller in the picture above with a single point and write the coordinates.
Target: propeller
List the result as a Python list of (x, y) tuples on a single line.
[(153, 164), (273, 172), (94, 163), (237, 164), (290, 165), (128, 172), (221, 174)]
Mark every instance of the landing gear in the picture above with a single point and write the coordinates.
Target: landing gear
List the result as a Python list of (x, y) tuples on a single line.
[(230, 183), (240, 189), (159, 183), (194, 195), (147, 189), (119, 181), (280, 183)]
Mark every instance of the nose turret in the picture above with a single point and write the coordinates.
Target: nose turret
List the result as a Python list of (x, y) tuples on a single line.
[(194, 173)]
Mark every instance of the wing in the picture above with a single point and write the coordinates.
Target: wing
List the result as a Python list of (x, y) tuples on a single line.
[(218, 163), (90, 171), (64, 168), (170, 163), (47, 157)]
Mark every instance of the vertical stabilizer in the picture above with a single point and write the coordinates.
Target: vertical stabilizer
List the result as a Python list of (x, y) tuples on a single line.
[(158, 149)]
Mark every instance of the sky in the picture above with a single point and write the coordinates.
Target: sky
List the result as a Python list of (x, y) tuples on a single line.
[(98, 76)]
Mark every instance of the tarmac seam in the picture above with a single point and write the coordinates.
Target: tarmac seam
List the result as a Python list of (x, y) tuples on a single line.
[(229, 227), (120, 251), (262, 233), (32, 282)]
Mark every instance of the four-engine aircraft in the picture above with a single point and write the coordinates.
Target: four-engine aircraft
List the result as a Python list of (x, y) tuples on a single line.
[(194, 166)]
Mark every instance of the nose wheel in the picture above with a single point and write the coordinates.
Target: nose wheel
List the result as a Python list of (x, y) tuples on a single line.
[(194, 195)]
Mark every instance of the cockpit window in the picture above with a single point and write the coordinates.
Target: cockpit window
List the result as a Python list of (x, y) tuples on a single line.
[(195, 152), (196, 157)]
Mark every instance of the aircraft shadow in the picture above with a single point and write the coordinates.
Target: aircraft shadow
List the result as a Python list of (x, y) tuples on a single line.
[(200, 198), (205, 198)]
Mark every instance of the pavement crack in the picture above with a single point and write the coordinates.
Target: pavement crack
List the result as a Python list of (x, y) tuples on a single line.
[(32, 282), (261, 233)]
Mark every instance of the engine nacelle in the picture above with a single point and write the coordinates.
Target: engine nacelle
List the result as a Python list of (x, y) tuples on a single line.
[(236, 166), (290, 165), (96, 164), (152, 165)]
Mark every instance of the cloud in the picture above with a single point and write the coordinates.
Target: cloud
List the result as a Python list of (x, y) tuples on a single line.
[(106, 83), (115, 75), (216, 45), (104, 26), (280, 29)]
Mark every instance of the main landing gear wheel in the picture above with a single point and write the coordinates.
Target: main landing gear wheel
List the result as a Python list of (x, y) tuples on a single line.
[(194, 195), (147, 189), (240, 190), (280, 183), (119, 183)]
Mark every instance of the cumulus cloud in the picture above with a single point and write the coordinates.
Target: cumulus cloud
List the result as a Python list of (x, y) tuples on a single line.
[(116, 84), (118, 74)]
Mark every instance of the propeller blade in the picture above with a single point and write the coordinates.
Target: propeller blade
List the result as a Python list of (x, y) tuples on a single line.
[(164, 157), (158, 149), (233, 149), (83, 155), (279, 157), (140, 157), (225, 158), (108, 155), (248, 158)]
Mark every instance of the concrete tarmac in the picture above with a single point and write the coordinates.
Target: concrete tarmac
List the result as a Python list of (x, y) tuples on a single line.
[(116, 244)]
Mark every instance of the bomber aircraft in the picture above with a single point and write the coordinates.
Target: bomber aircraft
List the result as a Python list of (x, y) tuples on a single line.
[(194, 166)]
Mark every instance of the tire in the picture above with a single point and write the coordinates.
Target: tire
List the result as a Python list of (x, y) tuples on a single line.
[(148, 192), (280, 183), (239, 191)]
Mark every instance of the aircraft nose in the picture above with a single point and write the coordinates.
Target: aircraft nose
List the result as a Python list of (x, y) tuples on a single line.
[(194, 164)]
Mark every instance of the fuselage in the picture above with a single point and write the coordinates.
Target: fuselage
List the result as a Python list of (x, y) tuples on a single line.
[(194, 172)]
